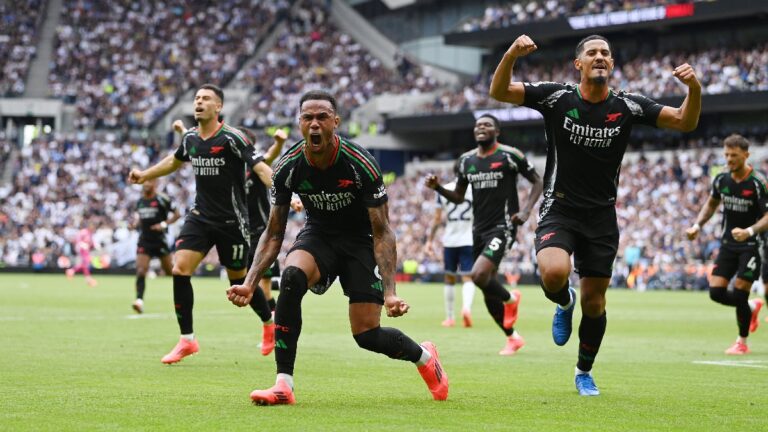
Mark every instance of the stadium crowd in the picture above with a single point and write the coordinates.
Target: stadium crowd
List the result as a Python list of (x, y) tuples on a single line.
[(64, 182), (19, 26), (721, 70), (310, 53), (123, 63), (512, 13)]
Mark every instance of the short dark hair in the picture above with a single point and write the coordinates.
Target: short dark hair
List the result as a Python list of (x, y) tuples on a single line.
[(318, 95), (214, 88), (496, 122), (736, 140), (580, 45)]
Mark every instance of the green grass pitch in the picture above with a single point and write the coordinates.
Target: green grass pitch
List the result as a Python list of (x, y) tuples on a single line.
[(77, 358)]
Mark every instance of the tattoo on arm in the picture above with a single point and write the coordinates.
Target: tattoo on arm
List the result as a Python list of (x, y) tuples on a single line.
[(269, 244), (384, 247)]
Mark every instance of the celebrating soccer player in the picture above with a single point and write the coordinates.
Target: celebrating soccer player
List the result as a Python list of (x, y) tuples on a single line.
[(744, 194), (258, 208), (152, 212), (346, 235), (219, 155), (492, 168), (588, 126)]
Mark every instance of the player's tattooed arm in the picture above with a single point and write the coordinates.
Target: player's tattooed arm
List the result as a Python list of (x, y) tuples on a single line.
[(537, 186), (266, 253), (705, 214), (385, 253), (455, 196), (437, 220)]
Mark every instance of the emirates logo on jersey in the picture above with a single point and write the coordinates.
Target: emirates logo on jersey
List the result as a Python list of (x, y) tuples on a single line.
[(495, 165)]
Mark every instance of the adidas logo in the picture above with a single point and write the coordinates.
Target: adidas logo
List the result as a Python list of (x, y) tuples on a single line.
[(726, 190), (472, 169), (574, 113), (281, 344)]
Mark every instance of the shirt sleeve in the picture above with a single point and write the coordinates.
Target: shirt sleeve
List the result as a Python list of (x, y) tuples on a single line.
[(242, 148), (374, 193), (522, 164), (762, 195), (644, 110), (281, 190), (182, 153), (716, 187), (542, 96)]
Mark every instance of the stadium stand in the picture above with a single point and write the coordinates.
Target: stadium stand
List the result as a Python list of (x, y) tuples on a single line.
[(19, 26), (124, 63)]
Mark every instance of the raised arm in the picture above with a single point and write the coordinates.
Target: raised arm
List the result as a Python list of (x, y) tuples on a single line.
[(455, 196), (502, 89), (277, 146), (685, 118), (266, 253), (385, 253), (166, 166)]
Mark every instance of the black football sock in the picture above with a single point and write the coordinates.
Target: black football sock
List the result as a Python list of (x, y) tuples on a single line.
[(743, 311), (561, 297), (496, 289), (496, 308), (183, 299), (293, 286), (722, 296), (391, 342), (591, 331), (140, 285)]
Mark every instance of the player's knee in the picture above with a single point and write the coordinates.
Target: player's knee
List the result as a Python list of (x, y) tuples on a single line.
[(481, 278), (553, 278), (141, 271), (293, 282), (718, 294)]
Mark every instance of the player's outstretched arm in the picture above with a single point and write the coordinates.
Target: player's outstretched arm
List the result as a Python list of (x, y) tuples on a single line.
[(537, 186), (385, 252), (266, 253), (455, 196), (705, 214), (277, 146), (166, 166), (502, 89), (686, 117)]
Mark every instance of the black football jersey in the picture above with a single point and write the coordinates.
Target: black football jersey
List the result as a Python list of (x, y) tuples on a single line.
[(586, 141), (744, 203), (336, 199), (153, 211)]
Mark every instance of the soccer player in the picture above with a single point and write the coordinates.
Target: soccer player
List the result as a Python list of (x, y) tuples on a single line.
[(587, 126), (258, 208), (220, 155), (764, 267), (457, 253), (744, 194), (84, 244), (346, 235), (492, 168), (152, 211)]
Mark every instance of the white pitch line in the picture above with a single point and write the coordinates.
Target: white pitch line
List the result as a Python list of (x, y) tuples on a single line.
[(735, 363), (147, 316)]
